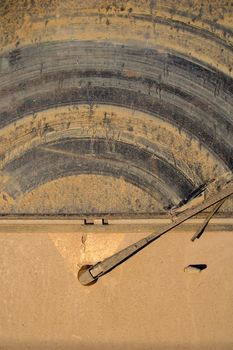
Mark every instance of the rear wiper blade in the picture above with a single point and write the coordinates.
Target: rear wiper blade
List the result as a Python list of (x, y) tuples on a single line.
[(201, 229)]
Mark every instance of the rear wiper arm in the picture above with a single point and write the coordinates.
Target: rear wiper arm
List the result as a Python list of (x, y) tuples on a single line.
[(91, 273)]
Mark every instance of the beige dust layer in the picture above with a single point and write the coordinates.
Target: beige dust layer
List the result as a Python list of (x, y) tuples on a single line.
[(130, 22)]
